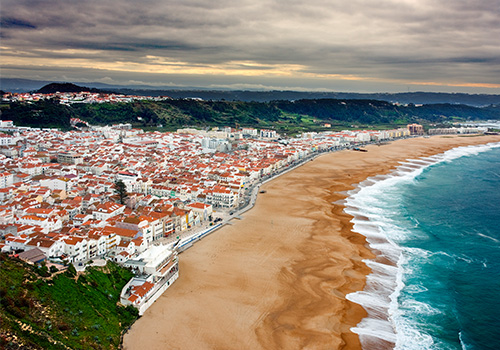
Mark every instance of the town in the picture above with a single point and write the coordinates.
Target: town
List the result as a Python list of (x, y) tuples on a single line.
[(138, 198), (68, 98)]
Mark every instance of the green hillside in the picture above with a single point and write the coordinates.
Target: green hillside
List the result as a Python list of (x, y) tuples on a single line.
[(284, 116), (42, 114), (62, 311)]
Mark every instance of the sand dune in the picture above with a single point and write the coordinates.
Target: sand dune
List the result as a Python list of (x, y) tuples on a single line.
[(277, 279)]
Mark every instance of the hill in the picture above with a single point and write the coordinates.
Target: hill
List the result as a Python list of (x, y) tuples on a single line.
[(61, 311), (41, 114), (421, 97), (477, 100), (64, 87), (285, 116)]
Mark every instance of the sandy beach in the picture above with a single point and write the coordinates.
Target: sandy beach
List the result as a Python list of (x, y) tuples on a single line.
[(277, 278)]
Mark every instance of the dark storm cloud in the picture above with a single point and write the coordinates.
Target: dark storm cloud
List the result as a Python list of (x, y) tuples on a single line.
[(139, 46), (442, 41), (9, 22)]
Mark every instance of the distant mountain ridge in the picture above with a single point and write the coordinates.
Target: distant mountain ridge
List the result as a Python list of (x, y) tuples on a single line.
[(477, 100)]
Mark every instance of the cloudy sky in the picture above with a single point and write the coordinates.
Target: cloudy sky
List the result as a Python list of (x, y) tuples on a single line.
[(348, 45)]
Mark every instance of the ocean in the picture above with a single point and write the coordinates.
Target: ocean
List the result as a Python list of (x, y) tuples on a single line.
[(435, 226)]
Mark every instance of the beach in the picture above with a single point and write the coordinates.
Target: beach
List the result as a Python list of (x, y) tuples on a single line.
[(277, 277)]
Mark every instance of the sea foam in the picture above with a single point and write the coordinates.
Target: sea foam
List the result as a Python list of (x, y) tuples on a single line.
[(376, 199)]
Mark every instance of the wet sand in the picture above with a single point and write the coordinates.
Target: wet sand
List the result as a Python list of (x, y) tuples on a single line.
[(277, 279)]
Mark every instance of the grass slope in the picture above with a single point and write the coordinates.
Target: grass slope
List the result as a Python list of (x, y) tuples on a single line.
[(62, 311)]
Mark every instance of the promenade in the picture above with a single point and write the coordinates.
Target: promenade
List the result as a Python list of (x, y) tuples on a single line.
[(277, 279), (190, 236)]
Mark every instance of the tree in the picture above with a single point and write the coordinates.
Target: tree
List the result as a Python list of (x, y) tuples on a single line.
[(121, 191)]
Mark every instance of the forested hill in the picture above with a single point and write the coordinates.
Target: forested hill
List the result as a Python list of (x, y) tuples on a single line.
[(286, 116)]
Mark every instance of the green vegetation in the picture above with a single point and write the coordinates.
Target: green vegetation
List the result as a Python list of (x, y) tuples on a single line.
[(121, 191), (62, 311), (284, 116), (41, 114)]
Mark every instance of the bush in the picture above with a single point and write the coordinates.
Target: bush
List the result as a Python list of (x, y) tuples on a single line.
[(71, 270), (63, 327), (43, 271)]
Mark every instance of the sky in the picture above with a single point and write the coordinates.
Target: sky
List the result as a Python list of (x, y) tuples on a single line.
[(313, 45)]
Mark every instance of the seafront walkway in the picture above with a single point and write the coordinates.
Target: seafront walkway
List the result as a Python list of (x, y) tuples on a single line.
[(194, 234), (190, 236)]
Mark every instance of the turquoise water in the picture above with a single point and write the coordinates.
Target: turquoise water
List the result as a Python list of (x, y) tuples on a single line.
[(435, 224)]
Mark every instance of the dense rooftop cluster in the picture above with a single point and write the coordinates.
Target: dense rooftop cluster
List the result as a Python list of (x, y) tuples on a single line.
[(57, 188)]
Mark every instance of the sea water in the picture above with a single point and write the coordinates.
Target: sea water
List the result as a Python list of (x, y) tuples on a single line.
[(434, 224)]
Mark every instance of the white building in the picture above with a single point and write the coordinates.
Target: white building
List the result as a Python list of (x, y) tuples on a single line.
[(6, 179), (50, 247), (69, 158), (202, 210), (7, 140), (76, 248), (106, 210), (96, 246), (363, 137), (60, 183), (222, 198), (6, 124), (159, 268), (249, 131), (270, 134)]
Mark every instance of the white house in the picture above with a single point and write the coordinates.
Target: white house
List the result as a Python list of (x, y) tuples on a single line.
[(76, 248), (107, 210), (50, 247), (203, 210), (60, 183)]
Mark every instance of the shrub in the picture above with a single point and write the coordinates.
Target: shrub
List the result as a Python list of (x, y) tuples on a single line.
[(43, 271), (71, 270)]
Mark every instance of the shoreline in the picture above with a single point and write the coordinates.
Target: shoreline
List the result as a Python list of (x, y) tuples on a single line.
[(278, 277)]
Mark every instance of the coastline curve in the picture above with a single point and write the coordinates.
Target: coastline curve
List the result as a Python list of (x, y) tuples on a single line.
[(383, 326)]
